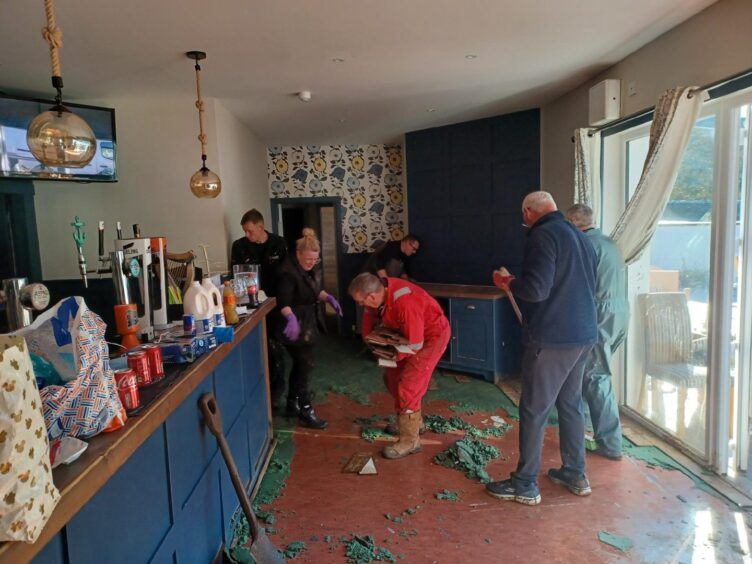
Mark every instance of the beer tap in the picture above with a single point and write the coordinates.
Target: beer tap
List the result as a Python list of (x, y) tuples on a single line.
[(79, 236)]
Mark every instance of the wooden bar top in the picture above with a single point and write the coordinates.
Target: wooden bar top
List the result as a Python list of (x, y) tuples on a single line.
[(79, 481), (462, 291)]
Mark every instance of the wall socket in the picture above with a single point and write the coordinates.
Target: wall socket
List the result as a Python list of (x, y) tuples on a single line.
[(632, 88)]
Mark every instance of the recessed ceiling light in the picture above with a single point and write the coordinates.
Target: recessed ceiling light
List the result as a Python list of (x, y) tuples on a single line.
[(338, 60), (430, 109), (342, 120), (470, 57)]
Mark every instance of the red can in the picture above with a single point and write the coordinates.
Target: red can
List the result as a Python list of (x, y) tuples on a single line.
[(127, 387), (154, 356), (140, 364)]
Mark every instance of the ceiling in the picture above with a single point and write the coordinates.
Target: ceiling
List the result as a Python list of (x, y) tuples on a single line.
[(404, 66)]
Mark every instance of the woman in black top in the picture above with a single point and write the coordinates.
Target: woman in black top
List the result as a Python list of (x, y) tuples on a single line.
[(300, 319)]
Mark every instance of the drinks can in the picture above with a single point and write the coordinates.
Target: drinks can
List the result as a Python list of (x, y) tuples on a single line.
[(189, 325), (156, 366), (126, 382), (140, 364)]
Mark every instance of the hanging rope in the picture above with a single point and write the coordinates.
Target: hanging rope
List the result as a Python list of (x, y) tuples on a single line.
[(200, 106), (53, 36)]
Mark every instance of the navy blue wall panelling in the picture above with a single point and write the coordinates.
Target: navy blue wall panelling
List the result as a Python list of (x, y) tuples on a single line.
[(465, 187)]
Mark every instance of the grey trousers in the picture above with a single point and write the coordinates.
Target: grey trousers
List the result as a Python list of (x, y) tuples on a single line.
[(551, 377)]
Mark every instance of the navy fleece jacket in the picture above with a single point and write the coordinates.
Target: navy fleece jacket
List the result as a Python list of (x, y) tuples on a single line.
[(557, 285)]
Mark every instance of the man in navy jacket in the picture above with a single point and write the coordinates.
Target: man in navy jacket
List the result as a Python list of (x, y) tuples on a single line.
[(556, 288)]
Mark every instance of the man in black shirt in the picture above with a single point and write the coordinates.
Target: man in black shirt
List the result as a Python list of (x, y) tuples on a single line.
[(392, 258), (267, 250)]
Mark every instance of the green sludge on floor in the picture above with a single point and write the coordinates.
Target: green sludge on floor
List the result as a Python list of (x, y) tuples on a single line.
[(363, 549), (469, 456)]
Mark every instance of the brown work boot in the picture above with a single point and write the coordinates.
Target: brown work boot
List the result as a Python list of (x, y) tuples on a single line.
[(392, 428), (409, 438)]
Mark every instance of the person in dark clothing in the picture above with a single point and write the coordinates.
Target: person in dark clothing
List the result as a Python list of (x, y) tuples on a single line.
[(299, 319), (266, 250), (392, 258), (556, 289)]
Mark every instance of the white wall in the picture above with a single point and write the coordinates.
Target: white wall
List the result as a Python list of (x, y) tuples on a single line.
[(158, 151), (713, 45), (242, 162)]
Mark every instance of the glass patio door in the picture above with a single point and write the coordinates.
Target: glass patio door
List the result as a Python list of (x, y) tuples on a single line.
[(667, 347)]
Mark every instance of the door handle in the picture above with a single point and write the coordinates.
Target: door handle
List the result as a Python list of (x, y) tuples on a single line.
[(470, 307)]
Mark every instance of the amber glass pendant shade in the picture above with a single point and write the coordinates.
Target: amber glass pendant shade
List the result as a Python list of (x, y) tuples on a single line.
[(205, 184), (58, 137)]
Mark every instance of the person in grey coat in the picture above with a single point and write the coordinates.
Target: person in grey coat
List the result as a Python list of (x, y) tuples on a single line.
[(612, 310)]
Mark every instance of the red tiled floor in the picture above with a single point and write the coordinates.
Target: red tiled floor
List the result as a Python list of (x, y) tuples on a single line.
[(667, 518)]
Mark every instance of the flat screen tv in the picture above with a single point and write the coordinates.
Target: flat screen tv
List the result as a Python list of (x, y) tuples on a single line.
[(16, 160)]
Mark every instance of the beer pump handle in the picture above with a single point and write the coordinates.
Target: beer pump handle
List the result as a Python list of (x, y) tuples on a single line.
[(136, 231), (119, 230), (79, 237), (102, 258)]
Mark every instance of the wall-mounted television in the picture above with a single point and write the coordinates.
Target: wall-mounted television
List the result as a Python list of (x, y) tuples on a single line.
[(16, 160)]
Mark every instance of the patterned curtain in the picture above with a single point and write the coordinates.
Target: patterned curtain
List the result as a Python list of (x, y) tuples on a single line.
[(673, 120), (587, 168)]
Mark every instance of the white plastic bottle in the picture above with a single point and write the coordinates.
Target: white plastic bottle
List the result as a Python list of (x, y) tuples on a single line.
[(215, 297), (197, 302)]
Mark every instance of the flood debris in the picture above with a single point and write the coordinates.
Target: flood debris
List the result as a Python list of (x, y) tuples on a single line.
[(439, 424), (447, 495), (370, 434), (624, 544), (363, 549), (470, 456), (294, 549)]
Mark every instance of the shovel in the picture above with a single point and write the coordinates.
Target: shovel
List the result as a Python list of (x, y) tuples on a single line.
[(262, 550)]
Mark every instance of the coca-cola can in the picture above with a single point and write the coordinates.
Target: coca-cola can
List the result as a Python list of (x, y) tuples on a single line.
[(140, 364), (126, 382), (156, 366)]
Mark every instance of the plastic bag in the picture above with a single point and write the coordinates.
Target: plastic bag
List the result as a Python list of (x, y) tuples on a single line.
[(71, 337), (27, 493)]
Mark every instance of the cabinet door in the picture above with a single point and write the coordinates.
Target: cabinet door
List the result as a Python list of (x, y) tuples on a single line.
[(472, 332)]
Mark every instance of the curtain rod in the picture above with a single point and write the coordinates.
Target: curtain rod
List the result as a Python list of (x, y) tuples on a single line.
[(644, 111)]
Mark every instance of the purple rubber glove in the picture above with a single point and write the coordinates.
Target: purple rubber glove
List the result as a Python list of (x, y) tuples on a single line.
[(292, 329), (332, 301)]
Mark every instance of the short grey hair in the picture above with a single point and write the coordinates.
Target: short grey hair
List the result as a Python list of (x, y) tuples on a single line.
[(580, 215), (539, 201), (364, 283)]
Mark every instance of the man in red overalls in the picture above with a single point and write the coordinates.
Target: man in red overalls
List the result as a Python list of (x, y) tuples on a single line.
[(402, 306)]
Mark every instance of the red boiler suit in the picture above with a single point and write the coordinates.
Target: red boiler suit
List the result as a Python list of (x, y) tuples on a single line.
[(409, 310)]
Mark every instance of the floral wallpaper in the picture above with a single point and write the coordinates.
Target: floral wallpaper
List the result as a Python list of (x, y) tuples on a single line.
[(368, 178)]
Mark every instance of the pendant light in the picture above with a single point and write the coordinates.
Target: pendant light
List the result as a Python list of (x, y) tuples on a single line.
[(58, 137), (204, 183)]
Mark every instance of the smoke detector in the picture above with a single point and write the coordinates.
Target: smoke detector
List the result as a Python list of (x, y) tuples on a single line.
[(304, 95)]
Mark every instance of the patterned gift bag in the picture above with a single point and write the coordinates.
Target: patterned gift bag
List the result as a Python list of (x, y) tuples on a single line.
[(27, 494), (71, 337)]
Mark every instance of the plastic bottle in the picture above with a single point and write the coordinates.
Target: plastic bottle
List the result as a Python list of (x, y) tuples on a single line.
[(253, 301), (228, 302), (216, 302), (197, 302)]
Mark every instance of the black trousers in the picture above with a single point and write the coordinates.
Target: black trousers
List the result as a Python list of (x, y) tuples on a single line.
[(300, 375), (275, 353)]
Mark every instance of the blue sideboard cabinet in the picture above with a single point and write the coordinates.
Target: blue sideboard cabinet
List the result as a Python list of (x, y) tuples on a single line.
[(158, 490), (485, 332)]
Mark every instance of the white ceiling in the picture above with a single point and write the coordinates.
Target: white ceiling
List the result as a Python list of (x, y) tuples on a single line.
[(401, 57)]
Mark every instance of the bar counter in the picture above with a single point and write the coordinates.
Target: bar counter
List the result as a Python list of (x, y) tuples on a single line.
[(157, 489)]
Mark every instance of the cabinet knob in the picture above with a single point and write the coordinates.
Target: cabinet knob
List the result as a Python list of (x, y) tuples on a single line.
[(470, 307)]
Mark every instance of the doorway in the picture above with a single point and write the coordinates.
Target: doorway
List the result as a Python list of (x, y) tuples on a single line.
[(323, 215)]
